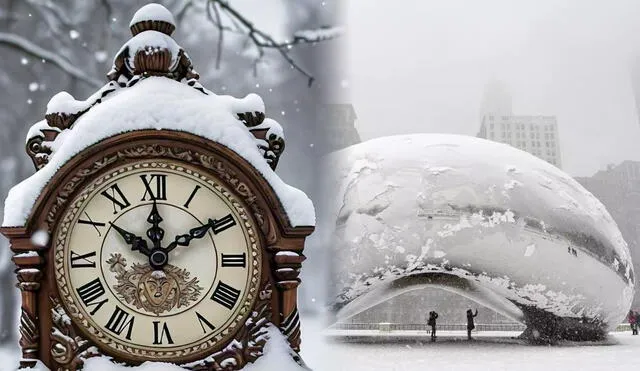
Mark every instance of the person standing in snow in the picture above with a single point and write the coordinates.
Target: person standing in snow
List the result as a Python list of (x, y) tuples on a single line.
[(432, 322), (470, 324), (632, 317)]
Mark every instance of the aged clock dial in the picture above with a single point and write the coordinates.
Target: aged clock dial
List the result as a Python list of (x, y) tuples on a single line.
[(157, 259)]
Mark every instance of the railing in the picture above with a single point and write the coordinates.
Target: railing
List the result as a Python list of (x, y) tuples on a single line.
[(387, 327), (384, 326)]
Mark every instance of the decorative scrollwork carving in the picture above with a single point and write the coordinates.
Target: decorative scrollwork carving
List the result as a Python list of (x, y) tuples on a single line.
[(29, 334), (291, 329), (251, 119), (268, 133), (67, 349), (249, 342)]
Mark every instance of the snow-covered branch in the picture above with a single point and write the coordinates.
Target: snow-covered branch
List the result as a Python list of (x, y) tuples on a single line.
[(24, 45), (263, 40)]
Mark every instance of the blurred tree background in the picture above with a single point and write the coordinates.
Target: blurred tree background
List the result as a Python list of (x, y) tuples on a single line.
[(274, 48)]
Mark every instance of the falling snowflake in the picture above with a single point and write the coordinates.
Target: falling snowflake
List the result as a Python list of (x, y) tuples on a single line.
[(24, 61), (100, 55), (344, 83), (33, 86), (73, 34), (29, 101)]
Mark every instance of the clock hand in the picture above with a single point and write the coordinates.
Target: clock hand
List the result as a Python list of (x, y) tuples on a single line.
[(137, 243), (155, 233), (185, 239)]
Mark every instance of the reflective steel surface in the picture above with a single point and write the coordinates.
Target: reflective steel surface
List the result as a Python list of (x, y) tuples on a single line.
[(480, 218)]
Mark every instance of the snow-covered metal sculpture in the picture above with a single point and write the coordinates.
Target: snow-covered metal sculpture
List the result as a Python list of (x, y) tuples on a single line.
[(155, 153), (482, 219)]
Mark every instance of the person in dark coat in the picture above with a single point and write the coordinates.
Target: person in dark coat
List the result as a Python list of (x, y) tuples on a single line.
[(470, 324), (632, 317), (432, 322)]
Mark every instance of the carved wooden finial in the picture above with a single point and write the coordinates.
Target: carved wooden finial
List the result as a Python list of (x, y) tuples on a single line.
[(152, 51), (154, 17)]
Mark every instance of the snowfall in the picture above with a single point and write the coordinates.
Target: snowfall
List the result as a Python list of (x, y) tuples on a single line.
[(488, 351)]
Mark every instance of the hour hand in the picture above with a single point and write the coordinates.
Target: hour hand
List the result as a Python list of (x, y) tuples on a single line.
[(137, 243)]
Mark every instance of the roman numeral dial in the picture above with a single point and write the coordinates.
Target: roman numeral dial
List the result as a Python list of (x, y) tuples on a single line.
[(159, 257), (225, 295), (155, 186)]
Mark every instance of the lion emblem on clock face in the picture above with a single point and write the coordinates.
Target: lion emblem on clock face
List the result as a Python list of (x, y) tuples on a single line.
[(155, 291)]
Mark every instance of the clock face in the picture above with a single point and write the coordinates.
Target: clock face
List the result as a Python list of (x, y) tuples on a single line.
[(155, 260)]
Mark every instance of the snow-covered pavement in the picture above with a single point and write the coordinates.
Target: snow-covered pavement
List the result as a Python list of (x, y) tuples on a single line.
[(490, 351), (493, 351)]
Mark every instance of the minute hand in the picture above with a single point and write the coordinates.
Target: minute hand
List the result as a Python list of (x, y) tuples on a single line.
[(185, 239)]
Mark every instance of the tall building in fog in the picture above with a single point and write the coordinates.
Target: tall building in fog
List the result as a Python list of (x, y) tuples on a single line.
[(337, 122), (618, 188), (496, 100), (537, 135)]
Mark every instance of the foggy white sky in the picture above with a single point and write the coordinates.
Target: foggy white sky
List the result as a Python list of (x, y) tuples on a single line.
[(422, 66)]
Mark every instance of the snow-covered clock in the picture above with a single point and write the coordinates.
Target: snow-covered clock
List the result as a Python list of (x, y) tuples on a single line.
[(155, 228)]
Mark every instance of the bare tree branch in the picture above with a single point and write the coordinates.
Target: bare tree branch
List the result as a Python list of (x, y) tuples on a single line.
[(59, 13), (218, 23), (181, 9), (24, 45), (262, 40)]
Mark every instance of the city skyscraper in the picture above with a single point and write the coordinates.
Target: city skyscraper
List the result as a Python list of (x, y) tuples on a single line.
[(496, 99), (537, 135)]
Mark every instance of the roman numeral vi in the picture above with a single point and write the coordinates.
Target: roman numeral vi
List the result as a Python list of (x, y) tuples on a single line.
[(158, 335)]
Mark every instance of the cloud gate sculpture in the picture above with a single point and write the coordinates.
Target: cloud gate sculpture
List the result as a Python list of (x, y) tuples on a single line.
[(482, 219)]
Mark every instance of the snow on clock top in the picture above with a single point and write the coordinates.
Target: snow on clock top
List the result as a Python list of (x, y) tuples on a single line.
[(152, 12), (153, 86)]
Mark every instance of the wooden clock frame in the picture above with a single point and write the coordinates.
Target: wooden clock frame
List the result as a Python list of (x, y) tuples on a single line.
[(47, 337)]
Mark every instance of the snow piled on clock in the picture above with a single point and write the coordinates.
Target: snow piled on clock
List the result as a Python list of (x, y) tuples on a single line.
[(276, 357), (163, 104)]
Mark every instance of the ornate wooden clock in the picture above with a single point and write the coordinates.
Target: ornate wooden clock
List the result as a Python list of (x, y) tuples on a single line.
[(156, 239)]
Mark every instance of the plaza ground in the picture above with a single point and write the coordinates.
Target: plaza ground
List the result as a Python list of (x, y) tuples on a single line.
[(489, 351)]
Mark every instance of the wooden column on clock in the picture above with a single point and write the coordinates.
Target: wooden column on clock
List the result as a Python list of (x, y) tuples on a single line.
[(60, 344)]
